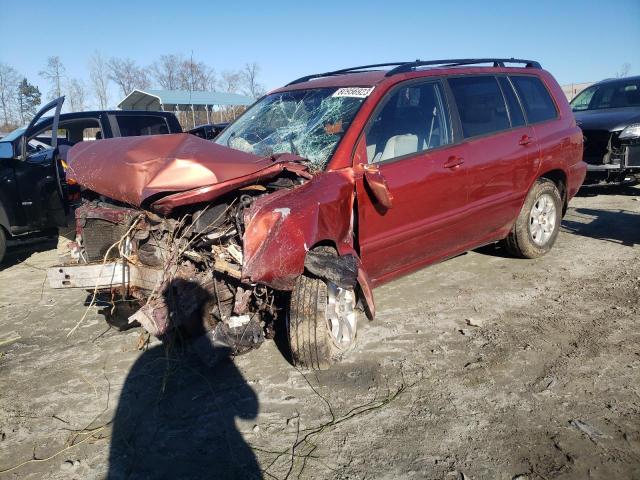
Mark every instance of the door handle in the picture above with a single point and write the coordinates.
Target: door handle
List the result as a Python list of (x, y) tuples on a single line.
[(453, 161), (525, 140)]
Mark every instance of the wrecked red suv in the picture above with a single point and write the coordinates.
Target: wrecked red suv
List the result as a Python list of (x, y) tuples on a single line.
[(320, 191)]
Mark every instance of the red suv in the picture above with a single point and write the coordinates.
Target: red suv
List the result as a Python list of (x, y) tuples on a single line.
[(320, 191)]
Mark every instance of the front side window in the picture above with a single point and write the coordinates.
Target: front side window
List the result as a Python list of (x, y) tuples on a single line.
[(308, 123), (411, 120), (537, 102), (480, 104)]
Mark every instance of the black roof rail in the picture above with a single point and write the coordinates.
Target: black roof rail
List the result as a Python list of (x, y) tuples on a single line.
[(402, 67), (343, 70), (497, 62)]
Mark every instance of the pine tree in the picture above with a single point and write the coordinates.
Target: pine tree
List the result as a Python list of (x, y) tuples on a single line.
[(28, 100)]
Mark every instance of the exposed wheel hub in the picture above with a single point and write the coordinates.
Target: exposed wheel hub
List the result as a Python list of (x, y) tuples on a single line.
[(542, 219), (341, 315)]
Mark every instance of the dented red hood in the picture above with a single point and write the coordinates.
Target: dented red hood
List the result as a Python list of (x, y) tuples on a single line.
[(175, 170)]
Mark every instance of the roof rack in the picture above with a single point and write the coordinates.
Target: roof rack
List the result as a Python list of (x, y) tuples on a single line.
[(344, 70), (497, 62), (402, 67)]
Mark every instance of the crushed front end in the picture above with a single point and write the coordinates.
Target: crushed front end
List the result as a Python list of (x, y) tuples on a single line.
[(175, 275), (196, 239)]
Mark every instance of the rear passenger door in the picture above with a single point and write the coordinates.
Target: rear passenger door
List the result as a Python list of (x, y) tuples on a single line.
[(500, 151), (409, 143), (541, 111)]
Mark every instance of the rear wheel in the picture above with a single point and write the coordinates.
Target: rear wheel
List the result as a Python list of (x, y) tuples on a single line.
[(321, 322), (538, 223)]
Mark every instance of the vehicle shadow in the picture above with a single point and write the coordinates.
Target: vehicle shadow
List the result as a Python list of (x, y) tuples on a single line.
[(621, 226), (631, 190), (493, 250), (176, 418), (20, 250)]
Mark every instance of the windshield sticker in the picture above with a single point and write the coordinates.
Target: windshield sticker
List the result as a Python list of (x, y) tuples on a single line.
[(354, 92)]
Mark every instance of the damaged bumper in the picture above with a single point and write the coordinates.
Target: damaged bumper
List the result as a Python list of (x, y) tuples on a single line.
[(108, 275), (608, 157)]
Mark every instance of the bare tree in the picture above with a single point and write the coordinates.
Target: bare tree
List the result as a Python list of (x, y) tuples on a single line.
[(77, 95), (127, 74), (54, 72), (250, 80), (8, 84), (196, 76), (99, 75), (624, 70), (231, 81), (166, 71)]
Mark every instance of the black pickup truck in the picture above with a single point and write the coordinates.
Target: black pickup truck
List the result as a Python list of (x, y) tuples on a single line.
[(32, 160)]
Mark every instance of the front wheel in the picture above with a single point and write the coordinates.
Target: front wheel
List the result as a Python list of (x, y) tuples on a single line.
[(538, 223), (321, 322)]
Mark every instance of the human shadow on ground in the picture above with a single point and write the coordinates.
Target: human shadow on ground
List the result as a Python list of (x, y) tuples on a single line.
[(176, 418), (617, 226)]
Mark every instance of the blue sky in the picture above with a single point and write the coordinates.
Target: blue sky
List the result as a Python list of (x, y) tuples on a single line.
[(577, 41)]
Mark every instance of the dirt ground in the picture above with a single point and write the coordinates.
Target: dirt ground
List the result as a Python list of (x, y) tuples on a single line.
[(482, 367)]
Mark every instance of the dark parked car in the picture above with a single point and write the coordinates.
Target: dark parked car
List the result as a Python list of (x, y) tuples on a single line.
[(209, 131), (32, 162), (322, 190), (609, 115)]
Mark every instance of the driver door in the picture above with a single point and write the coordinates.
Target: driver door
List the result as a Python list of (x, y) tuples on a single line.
[(39, 175), (410, 154)]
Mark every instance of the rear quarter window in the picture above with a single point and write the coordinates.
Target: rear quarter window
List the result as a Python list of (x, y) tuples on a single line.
[(537, 102), (135, 126)]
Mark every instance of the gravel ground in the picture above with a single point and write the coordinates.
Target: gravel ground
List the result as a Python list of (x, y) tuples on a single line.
[(480, 367)]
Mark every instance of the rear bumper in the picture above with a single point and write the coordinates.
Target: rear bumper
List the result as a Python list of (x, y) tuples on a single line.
[(577, 174)]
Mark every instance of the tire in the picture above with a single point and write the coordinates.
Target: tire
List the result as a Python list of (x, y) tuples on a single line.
[(312, 323), (538, 224), (3, 244)]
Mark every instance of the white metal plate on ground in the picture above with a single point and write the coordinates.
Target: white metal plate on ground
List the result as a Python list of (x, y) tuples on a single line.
[(103, 276)]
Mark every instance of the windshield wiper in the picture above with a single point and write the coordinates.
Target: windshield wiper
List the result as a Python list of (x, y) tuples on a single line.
[(231, 135)]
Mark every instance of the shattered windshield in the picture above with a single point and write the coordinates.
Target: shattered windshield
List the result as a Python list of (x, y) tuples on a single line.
[(308, 123)]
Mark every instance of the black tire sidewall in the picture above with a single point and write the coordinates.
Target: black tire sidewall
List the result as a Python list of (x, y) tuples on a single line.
[(316, 348), (529, 248)]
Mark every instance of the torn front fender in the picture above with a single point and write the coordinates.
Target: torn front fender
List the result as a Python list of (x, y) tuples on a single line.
[(282, 227)]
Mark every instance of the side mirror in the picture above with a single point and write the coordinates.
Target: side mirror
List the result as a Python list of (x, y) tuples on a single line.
[(6, 150), (378, 185)]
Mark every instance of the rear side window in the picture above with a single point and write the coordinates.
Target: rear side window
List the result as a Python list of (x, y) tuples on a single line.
[(135, 126), (480, 105), (515, 110), (535, 98)]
